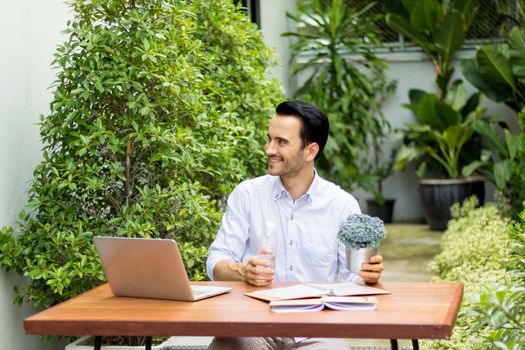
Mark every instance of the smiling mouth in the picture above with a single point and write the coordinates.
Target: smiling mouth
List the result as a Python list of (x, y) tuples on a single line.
[(274, 160)]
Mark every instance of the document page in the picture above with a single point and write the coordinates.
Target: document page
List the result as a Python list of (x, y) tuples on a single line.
[(293, 292), (310, 290), (346, 288)]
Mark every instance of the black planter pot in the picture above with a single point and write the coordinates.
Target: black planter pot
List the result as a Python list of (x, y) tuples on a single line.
[(438, 195), (383, 211)]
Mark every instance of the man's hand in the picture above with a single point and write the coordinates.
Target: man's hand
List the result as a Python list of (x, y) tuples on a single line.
[(258, 271), (371, 271)]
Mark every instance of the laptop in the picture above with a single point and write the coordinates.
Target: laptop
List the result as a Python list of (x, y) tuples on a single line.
[(149, 268)]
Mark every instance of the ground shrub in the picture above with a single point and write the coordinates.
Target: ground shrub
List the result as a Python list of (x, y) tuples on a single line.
[(501, 307), (477, 251)]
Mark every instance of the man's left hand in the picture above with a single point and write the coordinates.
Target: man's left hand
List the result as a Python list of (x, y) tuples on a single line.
[(371, 271)]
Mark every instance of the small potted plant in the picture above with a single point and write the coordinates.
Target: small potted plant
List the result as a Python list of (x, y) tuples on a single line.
[(361, 234)]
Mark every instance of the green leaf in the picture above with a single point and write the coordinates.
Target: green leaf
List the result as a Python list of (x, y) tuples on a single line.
[(468, 9), (424, 15), (400, 25), (502, 173), (455, 136), (449, 35), (495, 67), (488, 131), (513, 143), (517, 54), (447, 115), (426, 111), (404, 156), (470, 168), (456, 96)]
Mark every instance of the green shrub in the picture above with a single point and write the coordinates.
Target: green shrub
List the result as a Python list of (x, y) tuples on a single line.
[(476, 250), (158, 111), (501, 308)]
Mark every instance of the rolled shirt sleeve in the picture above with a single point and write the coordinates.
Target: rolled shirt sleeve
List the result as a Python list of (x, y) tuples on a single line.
[(230, 242)]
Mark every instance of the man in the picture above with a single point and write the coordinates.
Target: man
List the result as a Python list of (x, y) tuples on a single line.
[(306, 211)]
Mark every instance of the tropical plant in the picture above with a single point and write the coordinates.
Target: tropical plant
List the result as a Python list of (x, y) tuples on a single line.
[(159, 109), (349, 91), (504, 147), (438, 27), (499, 72), (444, 130)]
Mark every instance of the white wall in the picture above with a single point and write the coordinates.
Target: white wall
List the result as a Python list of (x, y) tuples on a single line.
[(29, 33), (273, 23)]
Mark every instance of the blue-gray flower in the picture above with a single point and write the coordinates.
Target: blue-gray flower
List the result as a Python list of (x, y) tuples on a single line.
[(361, 231)]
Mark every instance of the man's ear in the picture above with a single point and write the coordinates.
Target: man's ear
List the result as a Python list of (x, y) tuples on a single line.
[(311, 151)]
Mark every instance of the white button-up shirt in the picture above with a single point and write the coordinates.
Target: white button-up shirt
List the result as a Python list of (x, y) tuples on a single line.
[(307, 245)]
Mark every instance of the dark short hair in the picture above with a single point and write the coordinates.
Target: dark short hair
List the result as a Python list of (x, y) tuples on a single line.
[(315, 125)]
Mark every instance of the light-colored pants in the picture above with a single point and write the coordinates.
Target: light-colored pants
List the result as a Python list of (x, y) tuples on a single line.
[(272, 343)]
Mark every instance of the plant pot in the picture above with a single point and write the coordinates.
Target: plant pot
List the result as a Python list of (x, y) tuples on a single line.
[(438, 195), (355, 257), (383, 211)]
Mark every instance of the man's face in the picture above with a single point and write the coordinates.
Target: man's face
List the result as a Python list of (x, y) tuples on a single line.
[(286, 156)]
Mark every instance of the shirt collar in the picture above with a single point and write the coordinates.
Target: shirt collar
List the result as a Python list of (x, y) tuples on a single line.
[(280, 191)]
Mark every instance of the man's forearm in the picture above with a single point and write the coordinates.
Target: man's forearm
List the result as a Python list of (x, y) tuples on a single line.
[(227, 270)]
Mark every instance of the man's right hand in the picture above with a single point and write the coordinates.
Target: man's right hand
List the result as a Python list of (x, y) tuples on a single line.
[(255, 272), (258, 272)]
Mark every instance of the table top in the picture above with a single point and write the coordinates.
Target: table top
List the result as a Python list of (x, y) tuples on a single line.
[(412, 311)]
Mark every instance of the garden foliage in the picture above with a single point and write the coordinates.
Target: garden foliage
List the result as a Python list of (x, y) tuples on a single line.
[(477, 251), (501, 308), (349, 91), (160, 107), (499, 72)]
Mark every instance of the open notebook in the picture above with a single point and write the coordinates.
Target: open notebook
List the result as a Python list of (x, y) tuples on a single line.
[(313, 290), (149, 268)]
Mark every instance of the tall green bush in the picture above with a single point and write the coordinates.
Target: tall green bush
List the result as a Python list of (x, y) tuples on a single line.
[(477, 251), (158, 111)]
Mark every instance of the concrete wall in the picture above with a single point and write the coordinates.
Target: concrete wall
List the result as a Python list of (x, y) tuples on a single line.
[(29, 33), (273, 23)]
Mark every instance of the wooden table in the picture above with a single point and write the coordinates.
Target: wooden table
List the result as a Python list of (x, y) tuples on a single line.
[(412, 311)]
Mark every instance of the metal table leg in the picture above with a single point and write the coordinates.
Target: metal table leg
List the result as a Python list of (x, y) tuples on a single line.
[(415, 344), (98, 342), (148, 343), (393, 344)]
